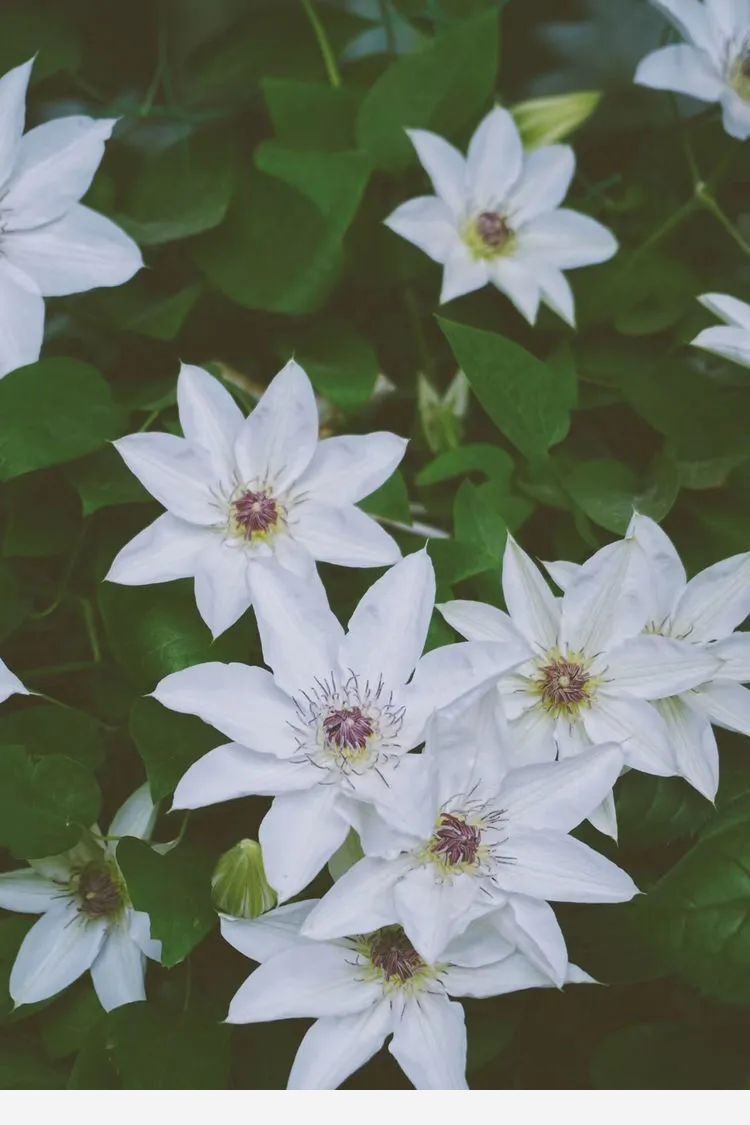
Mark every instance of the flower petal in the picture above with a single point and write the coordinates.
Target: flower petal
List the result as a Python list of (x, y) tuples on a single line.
[(478, 621), (666, 576), (735, 114), (730, 343), (445, 166), (433, 910), (544, 183), (531, 604), (637, 727), (462, 274), (512, 974), (518, 283), (55, 952), (716, 601), (140, 932), (176, 474), (118, 971), (429, 1043), (271, 933), (222, 585), (359, 902), (551, 865), (725, 703), (494, 160), (165, 550), (277, 442), (734, 654), (532, 927), (606, 602), (556, 291), (731, 310), (210, 418), (343, 535), (694, 745), (10, 683), (683, 69), (604, 817), (13, 87), (21, 319), (653, 667), (312, 816), (233, 771), (136, 817), (346, 469), (691, 18), (27, 891), (533, 733), (428, 223), (566, 239), (559, 795), (336, 1046)]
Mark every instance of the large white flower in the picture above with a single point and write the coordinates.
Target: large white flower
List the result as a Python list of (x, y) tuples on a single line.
[(364, 988), (87, 921), (591, 673), (704, 613), (238, 490), (713, 65), (731, 339), (482, 837), (330, 730), (496, 218), (50, 244)]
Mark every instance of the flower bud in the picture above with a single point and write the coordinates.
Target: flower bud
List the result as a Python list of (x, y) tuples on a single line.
[(442, 415), (239, 885), (544, 121)]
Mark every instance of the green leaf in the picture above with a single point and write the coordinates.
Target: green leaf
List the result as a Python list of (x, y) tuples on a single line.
[(66, 1028), (44, 729), (609, 492), (44, 517), (480, 457), (13, 929), (22, 1069), (32, 27), (103, 480), (442, 87), (529, 401), (14, 601), (655, 811), (174, 890), (168, 743), (45, 803), (141, 308), (667, 1056), (477, 520), (342, 365), (51, 412), (391, 500), (311, 115), (455, 562)]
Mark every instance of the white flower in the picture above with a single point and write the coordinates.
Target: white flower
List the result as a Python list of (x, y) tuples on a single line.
[(496, 217), (332, 727), (87, 921), (704, 613), (50, 245), (714, 64), (591, 674), (364, 988), (731, 340), (238, 490), (10, 683), (481, 837)]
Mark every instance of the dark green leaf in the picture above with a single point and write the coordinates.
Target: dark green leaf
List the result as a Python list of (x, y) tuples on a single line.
[(45, 803), (48, 729), (168, 743)]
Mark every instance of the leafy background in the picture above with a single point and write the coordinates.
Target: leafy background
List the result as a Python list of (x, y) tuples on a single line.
[(256, 181)]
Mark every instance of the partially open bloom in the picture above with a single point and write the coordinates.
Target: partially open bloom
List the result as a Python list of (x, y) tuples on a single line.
[(50, 244), (482, 837), (591, 670), (88, 922), (330, 730), (713, 65), (496, 218), (731, 339), (238, 490), (369, 986)]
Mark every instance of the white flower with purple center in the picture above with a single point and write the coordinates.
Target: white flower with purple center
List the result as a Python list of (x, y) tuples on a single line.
[(88, 922), (592, 673), (242, 490), (328, 734), (481, 837), (496, 218), (364, 988), (713, 65), (730, 340)]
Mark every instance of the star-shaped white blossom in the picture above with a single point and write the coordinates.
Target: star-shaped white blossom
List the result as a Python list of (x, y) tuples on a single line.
[(496, 218), (242, 490), (731, 339)]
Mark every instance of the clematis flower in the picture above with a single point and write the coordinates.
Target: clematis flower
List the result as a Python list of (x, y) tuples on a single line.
[(10, 683), (496, 218), (703, 613), (367, 987), (732, 339), (713, 65), (483, 837), (239, 490), (592, 673), (50, 244), (330, 730), (87, 920)]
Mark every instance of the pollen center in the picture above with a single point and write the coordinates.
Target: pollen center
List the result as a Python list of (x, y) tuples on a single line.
[(488, 235), (348, 728), (565, 686), (254, 514), (393, 954), (739, 76), (99, 891), (455, 841)]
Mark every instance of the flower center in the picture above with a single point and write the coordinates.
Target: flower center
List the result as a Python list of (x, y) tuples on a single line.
[(488, 235), (739, 75), (99, 891), (456, 841), (348, 728), (392, 953), (565, 686), (254, 515)]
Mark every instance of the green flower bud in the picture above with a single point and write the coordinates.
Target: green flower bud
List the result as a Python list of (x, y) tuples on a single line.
[(239, 885), (544, 121), (442, 415)]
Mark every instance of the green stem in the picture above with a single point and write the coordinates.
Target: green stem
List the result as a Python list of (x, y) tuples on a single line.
[(89, 620), (57, 670), (334, 77), (707, 200), (675, 220)]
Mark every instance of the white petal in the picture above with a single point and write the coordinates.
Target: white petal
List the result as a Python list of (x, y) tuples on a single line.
[(735, 114), (666, 574), (429, 1043), (55, 166), (233, 771), (462, 274), (606, 602), (604, 817), (167, 549), (544, 183), (551, 865), (531, 604), (81, 250), (136, 817), (428, 223), (310, 816), (434, 910), (469, 749), (445, 166), (335, 1047), (725, 703), (482, 942), (222, 585), (242, 702), (176, 474), (534, 930), (12, 116), (730, 309), (566, 239), (21, 319), (140, 932), (518, 283), (118, 971), (55, 952), (276, 443), (734, 653), (533, 734), (562, 573), (694, 745), (560, 795), (691, 18), (210, 418), (343, 535), (683, 69), (314, 980), (271, 933), (716, 601), (346, 469), (494, 160), (512, 974), (637, 727), (555, 291), (731, 17), (478, 621), (359, 902), (10, 683), (731, 343), (652, 667), (27, 891)]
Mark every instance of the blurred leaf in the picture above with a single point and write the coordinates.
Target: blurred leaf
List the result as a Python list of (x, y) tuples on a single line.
[(103, 480), (32, 27), (22, 1069), (609, 492), (45, 728), (455, 562), (655, 811), (342, 364), (44, 517), (45, 803), (71, 1021), (476, 519), (311, 115), (391, 500), (666, 1056), (480, 457), (168, 743)]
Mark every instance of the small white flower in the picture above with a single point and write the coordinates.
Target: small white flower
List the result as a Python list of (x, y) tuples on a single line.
[(731, 340), (50, 244), (592, 671), (332, 727), (366, 987), (10, 683), (87, 921), (482, 836), (496, 218), (713, 65), (238, 490)]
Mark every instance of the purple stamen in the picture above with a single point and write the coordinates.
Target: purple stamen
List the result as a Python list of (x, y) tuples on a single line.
[(348, 728), (255, 513), (456, 841)]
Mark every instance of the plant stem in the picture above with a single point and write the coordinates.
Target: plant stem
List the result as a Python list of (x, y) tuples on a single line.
[(326, 50), (89, 620), (704, 197)]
